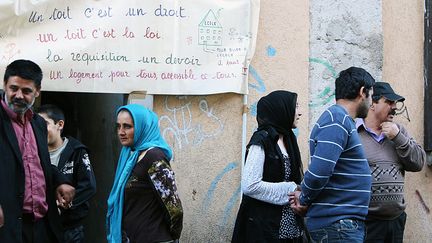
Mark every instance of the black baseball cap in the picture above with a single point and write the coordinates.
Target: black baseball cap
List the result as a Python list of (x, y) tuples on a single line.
[(383, 89)]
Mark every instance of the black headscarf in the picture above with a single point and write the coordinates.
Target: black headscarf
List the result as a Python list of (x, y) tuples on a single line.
[(277, 110)]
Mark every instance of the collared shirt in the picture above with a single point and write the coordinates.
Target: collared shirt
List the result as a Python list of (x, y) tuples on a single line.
[(35, 187), (379, 138)]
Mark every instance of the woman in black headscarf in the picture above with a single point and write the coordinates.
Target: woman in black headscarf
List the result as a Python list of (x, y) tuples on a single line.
[(273, 168)]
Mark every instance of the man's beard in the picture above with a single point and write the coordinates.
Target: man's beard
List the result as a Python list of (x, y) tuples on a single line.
[(363, 110), (19, 106)]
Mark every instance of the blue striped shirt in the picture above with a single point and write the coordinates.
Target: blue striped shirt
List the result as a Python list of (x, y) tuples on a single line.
[(337, 184)]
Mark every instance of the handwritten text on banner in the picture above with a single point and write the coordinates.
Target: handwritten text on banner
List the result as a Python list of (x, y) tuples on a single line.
[(162, 47)]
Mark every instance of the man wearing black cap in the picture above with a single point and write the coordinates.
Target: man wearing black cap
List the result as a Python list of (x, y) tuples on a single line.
[(390, 151)]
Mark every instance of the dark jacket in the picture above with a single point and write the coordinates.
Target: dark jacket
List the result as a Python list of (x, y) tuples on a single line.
[(74, 163), (259, 221), (12, 179), (152, 170)]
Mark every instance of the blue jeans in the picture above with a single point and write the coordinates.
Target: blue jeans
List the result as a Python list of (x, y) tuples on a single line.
[(344, 230)]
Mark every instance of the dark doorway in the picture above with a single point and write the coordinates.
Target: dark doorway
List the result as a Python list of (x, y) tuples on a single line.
[(90, 118)]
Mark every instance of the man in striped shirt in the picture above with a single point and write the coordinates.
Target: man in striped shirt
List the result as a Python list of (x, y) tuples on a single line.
[(336, 187)]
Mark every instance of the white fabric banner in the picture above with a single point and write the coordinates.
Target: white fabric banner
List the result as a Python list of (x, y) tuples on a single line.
[(161, 47)]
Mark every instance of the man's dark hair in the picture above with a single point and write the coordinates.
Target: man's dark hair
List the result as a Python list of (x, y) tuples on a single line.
[(25, 69), (52, 111), (375, 99), (350, 81)]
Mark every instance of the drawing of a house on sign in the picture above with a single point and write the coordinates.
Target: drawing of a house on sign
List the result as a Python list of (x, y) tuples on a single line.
[(210, 30)]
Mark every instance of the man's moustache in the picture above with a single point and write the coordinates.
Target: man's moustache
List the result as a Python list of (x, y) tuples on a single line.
[(19, 102)]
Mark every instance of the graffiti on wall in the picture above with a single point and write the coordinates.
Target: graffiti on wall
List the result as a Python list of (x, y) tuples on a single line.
[(271, 52), (326, 95), (179, 122), (259, 87), (220, 199), (423, 213), (257, 84), (209, 198), (402, 110), (322, 98)]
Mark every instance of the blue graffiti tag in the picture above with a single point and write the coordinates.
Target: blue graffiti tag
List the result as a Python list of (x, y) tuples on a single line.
[(253, 109), (260, 87), (213, 185), (271, 52), (230, 205)]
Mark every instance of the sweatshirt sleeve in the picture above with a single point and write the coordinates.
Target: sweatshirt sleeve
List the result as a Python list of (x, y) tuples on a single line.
[(253, 186), (411, 154), (85, 179), (58, 177)]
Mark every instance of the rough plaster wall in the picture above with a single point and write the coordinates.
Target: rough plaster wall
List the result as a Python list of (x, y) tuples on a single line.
[(343, 34), (205, 134), (205, 131), (403, 68), (281, 60)]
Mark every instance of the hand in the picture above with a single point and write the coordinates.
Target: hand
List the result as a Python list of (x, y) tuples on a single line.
[(295, 203), (64, 195), (294, 196), (1, 217), (389, 129)]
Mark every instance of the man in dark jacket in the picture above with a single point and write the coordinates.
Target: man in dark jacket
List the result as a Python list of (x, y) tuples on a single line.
[(29, 184), (72, 159)]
